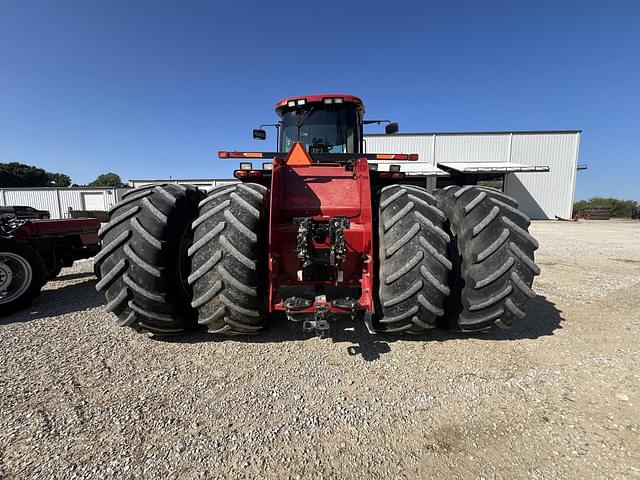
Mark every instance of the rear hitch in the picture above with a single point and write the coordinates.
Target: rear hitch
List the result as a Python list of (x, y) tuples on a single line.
[(315, 314), (316, 321), (324, 260), (320, 323)]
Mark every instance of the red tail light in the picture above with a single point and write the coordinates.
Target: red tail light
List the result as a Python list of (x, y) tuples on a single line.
[(225, 154), (394, 175), (395, 156), (247, 173)]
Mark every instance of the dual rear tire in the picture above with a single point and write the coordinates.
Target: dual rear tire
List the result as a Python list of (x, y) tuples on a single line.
[(493, 257), (413, 266), (229, 258), (172, 259), (143, 263)]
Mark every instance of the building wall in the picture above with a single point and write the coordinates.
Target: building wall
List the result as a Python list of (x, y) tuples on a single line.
[(541, 195), (60, 200), (546, 194), (420, 144)]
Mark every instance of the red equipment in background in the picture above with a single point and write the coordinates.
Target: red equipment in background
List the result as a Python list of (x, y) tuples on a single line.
[(34, 251)]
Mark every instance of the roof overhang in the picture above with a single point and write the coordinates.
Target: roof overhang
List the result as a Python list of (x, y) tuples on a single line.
[(418, 169), (492, 167)]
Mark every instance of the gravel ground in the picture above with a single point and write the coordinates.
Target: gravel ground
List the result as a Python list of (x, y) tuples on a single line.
[(558, 396)]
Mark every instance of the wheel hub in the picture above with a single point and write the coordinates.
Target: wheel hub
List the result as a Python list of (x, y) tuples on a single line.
[(6, 275), (15, 276)]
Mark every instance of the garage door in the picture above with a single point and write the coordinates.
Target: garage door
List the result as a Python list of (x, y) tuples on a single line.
[(93, 201)]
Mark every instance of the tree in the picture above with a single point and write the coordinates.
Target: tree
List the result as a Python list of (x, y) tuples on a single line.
[(16, 174), (617, 207), (107, 180), (59, 179)]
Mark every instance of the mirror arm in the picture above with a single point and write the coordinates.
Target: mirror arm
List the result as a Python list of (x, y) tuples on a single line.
[(277, 125), (378, 122), (263, 133), (390, 129)]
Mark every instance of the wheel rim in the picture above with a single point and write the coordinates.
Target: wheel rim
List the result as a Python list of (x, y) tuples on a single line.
[(15, 276)]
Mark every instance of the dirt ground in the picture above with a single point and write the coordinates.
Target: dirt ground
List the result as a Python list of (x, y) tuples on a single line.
[(558, 396)]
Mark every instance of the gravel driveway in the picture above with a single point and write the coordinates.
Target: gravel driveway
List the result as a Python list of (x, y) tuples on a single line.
[(558, 396)]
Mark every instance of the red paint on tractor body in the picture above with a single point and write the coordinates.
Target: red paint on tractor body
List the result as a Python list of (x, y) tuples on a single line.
[(320, 191), (85, 228)]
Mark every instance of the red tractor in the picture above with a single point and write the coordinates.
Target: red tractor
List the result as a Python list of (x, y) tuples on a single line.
[(34, 251), (317, 232)]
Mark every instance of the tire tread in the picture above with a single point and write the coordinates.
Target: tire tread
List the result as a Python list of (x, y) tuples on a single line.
[(497, 252)]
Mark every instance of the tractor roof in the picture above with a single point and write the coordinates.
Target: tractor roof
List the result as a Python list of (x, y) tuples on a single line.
[(327, 98)]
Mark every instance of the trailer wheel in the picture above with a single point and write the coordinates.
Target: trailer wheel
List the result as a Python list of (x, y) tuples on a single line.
[(413, 263), (494, 270), (143, 262), (228, 258), (21, 275)]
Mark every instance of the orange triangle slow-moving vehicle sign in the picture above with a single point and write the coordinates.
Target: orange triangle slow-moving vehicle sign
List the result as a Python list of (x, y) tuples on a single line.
[(298, 155)]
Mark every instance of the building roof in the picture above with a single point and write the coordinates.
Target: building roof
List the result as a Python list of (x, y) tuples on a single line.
[(411, 168), (497, 132)]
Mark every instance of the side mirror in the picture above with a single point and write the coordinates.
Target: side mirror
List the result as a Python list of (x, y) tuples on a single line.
[(391, 128), (259, 134)]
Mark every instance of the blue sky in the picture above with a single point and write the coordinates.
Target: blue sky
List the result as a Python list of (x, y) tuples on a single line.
[(156, 88)]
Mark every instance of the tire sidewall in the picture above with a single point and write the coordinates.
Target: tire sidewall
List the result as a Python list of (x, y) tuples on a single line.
[(30, 255)]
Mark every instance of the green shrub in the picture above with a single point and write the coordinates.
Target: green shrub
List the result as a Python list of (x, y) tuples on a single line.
[(618, 208)]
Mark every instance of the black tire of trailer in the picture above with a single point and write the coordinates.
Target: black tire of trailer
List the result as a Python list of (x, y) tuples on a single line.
[(412, 259), (27, 262), (143, 262), (493, 258), (53, 273), (229, 259)]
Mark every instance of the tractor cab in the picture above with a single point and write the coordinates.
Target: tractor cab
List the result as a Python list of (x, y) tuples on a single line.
[(322, 123)]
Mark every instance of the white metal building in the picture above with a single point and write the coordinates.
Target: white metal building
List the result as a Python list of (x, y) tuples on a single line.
[(523, 158), (60, 201), (538, 169)]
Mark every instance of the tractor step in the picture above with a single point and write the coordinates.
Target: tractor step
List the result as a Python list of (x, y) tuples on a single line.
[(346, 303), (297, 303)]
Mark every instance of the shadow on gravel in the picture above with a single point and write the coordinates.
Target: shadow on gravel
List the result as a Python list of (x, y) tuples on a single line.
[(542, 319), (281, 330), (74, 276), (59, 301)]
